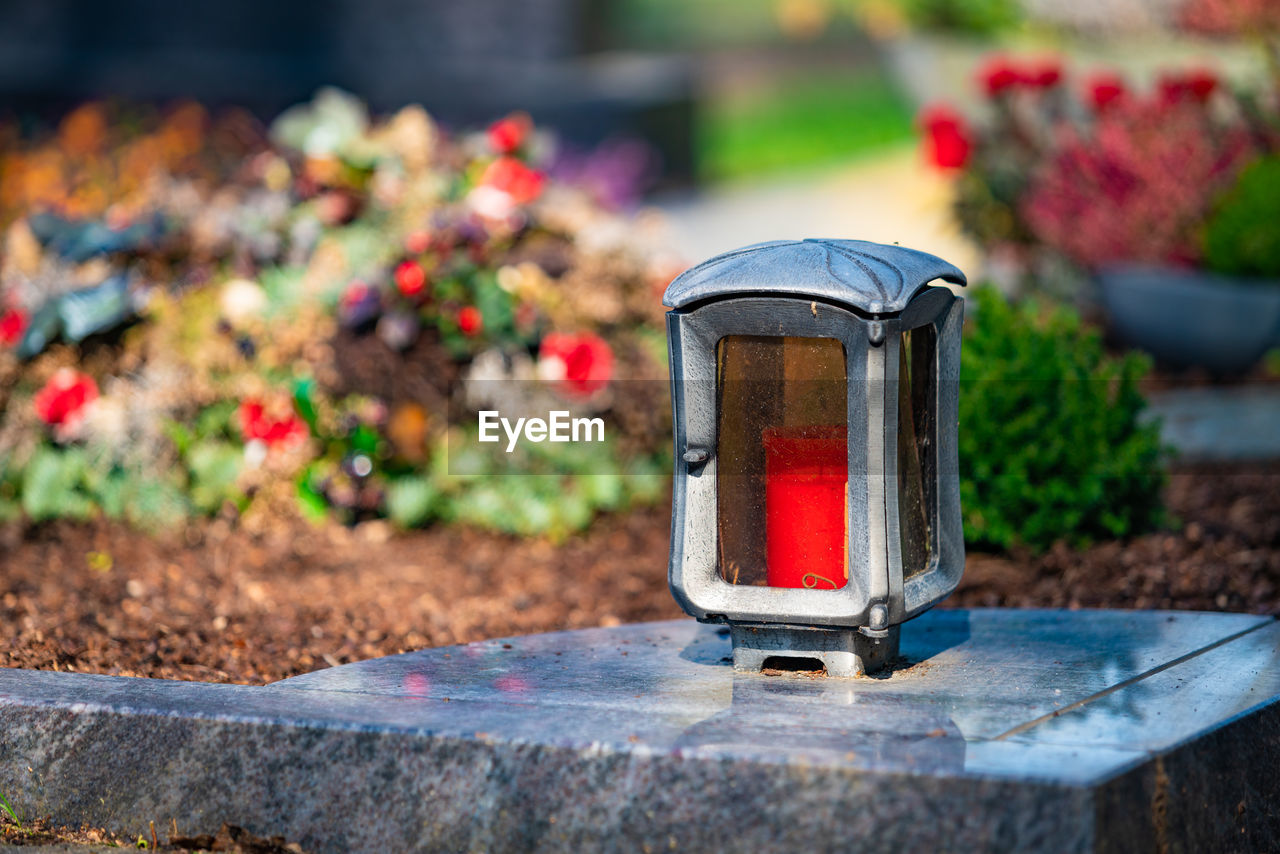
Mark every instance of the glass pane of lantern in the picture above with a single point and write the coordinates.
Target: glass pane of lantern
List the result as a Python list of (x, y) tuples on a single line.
[(916, 461), (782, 461)]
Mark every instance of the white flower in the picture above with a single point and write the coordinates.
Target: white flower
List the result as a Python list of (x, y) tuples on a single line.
[(255, 453), (241, 300), (552, 369), (106, 421), (491, 202)]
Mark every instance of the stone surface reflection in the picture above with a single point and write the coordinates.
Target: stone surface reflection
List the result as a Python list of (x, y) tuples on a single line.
[(998, 730)]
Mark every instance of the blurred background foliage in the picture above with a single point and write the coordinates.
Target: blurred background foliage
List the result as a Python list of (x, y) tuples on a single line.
[(203, 315), (801, 120), (260, 302)]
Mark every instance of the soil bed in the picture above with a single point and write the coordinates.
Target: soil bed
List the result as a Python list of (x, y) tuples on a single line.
[(220, 604), (40, 834)]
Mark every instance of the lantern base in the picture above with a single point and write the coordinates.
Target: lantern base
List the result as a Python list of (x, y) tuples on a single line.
[(839, 652)]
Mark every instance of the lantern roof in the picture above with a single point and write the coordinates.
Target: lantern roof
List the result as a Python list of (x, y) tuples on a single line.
[(873, 277)]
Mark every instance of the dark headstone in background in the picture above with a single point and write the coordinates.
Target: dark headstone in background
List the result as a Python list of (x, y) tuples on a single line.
[(467, 61)]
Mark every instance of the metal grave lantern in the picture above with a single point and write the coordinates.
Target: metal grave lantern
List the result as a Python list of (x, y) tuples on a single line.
[(817, 501)]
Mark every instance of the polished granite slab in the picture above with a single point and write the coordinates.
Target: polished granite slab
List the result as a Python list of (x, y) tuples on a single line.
[(999, 730)]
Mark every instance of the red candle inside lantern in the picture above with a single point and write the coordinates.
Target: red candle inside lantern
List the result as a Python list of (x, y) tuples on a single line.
[(806, 474)]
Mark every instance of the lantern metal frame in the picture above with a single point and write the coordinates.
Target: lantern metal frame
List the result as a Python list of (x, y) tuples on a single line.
[(852, 628)]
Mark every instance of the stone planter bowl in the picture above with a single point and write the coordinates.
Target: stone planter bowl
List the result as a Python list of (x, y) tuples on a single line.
[(1191, 318)]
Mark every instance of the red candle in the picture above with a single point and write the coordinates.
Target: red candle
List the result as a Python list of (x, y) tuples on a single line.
[(806, 471)]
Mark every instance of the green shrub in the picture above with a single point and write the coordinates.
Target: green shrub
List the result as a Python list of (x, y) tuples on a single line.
[(1050, 442), (971, 17), (1242, 236)]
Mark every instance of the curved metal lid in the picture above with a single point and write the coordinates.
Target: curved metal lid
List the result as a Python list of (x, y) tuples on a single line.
[(873, 277)]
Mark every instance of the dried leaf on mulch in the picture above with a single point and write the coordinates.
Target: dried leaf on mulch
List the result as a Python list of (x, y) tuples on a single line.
[(235, 840), (36, 832)]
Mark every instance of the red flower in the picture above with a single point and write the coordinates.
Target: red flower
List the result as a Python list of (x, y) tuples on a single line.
[(356, 293), (417, 242), (947, 142), (1171, 88), (506, 135), (256, 424), (1106, 89), (470, 320), (515, 179), (583, 361), (1047, 75), (998, 75), (410, 278), (62, 401), (1201, 83), (13, 323), (1198, 84)]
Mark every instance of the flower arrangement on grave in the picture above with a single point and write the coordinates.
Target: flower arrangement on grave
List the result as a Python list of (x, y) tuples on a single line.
[(200, 315), (1101, 173), (1165, 195)]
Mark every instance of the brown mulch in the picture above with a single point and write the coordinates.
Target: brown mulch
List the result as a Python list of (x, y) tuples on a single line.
[(41, 833), (235, 840), (221, 604), (1223, 556)]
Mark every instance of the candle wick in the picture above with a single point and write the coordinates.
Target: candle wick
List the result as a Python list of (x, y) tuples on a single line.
[(811, 579)]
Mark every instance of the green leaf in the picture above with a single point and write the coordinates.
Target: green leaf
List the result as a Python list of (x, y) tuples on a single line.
[(366, 440), (180, 435), (7, 808), (284, 287), (304, 402), (112, 494), (50, 485), (1240, 236), (216, 421), (311, 502), (411, 501), (214, 468), (495, 306), (155, 504)]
